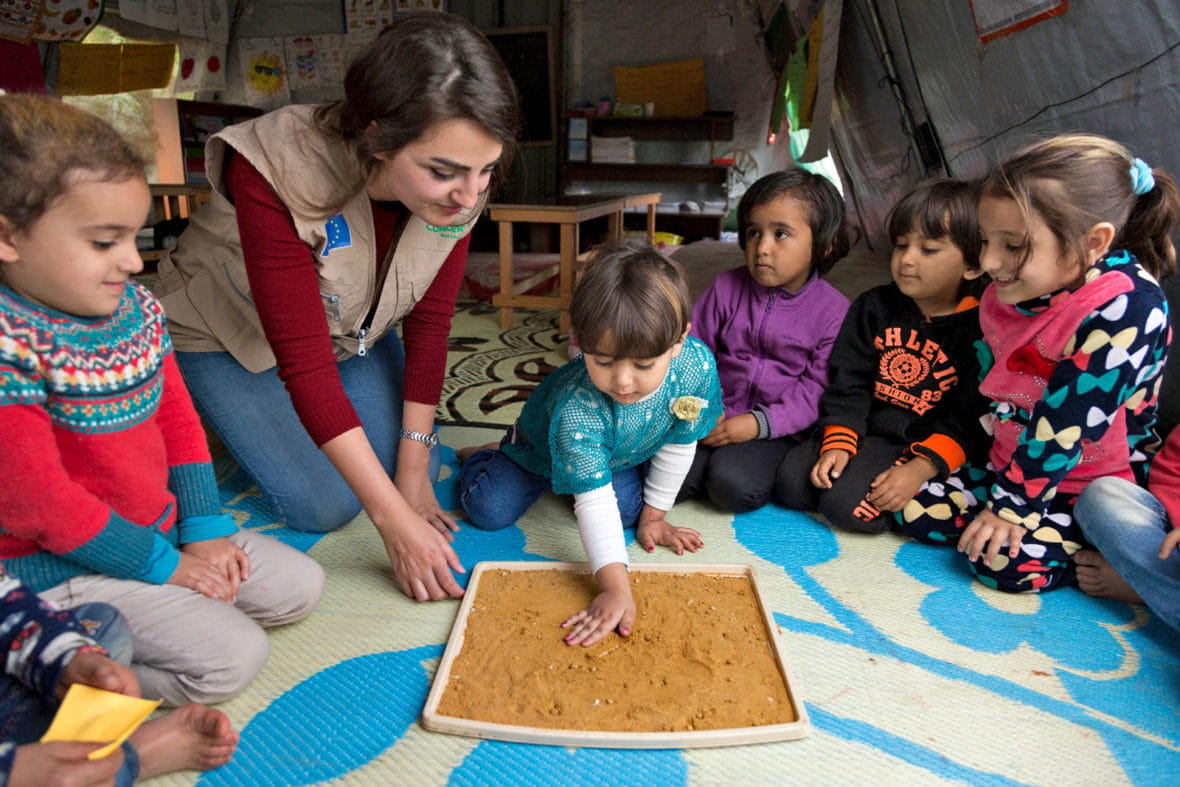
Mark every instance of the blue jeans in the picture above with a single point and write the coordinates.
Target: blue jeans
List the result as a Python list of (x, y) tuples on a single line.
[(253, 416), (495, 491), (1126, 523), (25, 716)]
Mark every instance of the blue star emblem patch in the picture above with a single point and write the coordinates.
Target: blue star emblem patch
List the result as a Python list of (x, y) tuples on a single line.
[(337, 235)]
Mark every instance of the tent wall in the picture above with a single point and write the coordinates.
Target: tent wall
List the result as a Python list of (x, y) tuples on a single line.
[(1102, 67)]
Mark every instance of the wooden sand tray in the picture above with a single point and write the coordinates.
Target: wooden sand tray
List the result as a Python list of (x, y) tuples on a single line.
[(702, 666)]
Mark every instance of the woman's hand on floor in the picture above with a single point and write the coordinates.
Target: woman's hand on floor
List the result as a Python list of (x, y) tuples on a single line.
[(419, 494), (421, 557)]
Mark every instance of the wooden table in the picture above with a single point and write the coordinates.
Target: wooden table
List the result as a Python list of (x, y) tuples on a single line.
[(511, 295)]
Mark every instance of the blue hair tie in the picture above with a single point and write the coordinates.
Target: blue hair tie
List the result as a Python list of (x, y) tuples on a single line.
[(1142, 181)]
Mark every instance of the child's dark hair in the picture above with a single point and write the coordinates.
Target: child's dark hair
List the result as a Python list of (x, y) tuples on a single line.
[(1074, 181), (46, 146), (424, 68), (630, 302), (825, 212), (938, 208)]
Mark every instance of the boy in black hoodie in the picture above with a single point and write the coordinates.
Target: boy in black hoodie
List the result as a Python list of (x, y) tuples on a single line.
[(902, 406)]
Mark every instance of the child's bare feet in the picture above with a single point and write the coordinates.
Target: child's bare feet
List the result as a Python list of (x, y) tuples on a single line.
[(192, 737), (1096, 577), (463, 453)]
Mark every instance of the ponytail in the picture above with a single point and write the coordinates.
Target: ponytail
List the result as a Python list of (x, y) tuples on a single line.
[(1148, 231)]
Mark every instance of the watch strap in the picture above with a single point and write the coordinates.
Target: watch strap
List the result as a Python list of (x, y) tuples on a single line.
[(430, 440)]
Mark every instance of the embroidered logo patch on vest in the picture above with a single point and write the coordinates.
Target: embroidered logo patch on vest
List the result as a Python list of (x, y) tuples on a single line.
[(337, 235), (453, 232)]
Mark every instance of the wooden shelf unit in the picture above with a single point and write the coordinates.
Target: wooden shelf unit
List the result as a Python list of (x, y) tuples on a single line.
[(671, 129), (712, 129), (181, 130)]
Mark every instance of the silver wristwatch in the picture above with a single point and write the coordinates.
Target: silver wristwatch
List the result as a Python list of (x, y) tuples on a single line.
[(428, 440)]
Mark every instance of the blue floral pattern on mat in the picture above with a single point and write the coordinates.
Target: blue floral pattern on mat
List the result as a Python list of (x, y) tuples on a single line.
[(332, 723)]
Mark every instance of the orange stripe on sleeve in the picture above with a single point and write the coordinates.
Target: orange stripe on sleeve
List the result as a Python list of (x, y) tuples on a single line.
[(840, 437)]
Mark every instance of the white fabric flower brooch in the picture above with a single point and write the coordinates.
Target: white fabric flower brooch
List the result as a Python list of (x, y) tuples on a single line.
[(688, 408)]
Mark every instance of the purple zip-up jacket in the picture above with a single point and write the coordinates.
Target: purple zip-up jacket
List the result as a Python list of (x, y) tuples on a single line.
[(772, 346)]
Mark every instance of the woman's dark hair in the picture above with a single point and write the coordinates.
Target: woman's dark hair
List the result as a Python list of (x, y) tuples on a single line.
[(825, 212), (943, 208), (424, 68), (630, 302), (1074, 181), (46, 146)]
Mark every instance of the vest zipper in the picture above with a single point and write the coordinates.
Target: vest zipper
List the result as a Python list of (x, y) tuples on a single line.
[(382, 275)]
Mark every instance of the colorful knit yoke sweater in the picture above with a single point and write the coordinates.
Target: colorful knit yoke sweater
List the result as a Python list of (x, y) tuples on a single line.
[(102, 449)]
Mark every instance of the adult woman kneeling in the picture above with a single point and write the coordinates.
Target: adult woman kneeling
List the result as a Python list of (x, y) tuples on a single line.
[(327, 226)]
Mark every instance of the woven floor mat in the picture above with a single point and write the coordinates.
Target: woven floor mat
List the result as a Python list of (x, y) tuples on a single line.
[(910, 671)]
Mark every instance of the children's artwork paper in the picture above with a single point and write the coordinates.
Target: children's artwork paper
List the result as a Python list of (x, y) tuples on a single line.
[(202, 65), (332, 63), (67, 20), (216, 20), (418, 5), (190, 18), (264, 72), (303, 62), (18, 18), (156, 13), (367, 15), (92, 715)]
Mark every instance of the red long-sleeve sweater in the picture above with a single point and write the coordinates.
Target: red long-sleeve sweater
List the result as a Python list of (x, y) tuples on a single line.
[(285, 290), (1164, 479)]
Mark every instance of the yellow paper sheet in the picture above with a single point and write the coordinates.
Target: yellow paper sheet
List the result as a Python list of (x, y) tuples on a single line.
[(93, 69), (92, 715)]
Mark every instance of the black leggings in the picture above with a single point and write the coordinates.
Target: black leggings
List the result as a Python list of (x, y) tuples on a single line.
[(844, 505), (737, 477)]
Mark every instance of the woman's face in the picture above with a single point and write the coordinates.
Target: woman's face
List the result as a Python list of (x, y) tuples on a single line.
[(440, 175)]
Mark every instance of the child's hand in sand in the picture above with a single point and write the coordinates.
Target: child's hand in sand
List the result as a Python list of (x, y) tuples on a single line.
[(654, 529), (611, 608), (829, 467), (606, 612)]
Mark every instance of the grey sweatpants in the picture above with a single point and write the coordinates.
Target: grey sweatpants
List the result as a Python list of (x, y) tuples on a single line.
[(191, 648)]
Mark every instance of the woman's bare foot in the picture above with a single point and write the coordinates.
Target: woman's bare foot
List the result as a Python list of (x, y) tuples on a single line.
[(463, 453), (192, 737), (1097, 577)]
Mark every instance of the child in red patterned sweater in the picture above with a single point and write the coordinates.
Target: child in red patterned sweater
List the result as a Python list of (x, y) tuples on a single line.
[(110, 494)]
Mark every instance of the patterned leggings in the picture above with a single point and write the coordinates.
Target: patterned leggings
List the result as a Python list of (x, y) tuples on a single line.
[(942, 509)]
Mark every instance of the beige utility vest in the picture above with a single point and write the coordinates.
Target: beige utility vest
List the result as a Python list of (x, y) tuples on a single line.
[(202, 282)]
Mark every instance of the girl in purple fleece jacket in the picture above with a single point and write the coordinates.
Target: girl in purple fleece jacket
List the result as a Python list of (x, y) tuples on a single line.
[(771, 326)]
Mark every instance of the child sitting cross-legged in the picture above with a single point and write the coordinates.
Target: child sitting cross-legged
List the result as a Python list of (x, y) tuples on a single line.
[(47, 651), (615, 427), (1075, 234), (771, 325), (1136, 536), (903, 405), (109, 492)]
